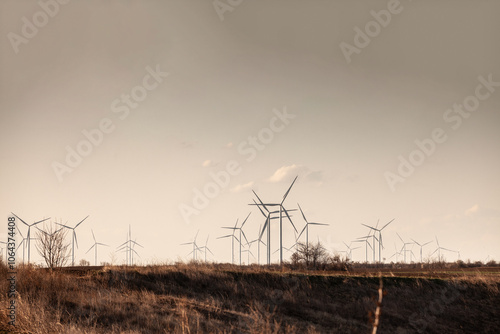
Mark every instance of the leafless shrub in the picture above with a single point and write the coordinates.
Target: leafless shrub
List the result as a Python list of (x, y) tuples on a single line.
[(52, 248)]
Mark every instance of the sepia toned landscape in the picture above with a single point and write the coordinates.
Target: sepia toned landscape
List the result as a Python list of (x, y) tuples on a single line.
[(237, 166)]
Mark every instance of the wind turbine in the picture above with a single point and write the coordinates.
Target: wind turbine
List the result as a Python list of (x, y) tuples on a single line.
[(23, 242), (195, 246), (282, 209), (232, 236), (441, 248), (95, 247), (242, 234), (267, 225), (403, 249), (380, 242), (421, 246), (129, 247), (28, 236), (367, 244), (349, 251), (306, 228), (259, 241), (73, 238), (205, 248)]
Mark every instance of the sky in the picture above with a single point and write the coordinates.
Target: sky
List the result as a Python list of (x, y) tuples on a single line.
[(165, 115)]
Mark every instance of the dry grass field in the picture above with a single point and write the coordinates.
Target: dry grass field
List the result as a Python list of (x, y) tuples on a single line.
[(204, 298)]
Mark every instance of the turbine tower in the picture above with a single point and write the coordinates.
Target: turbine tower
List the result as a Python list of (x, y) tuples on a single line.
[(421, 246), (242, 234), (73, 238), (367, 244), (195, 246), (28, 236), (403, 249), (281, 210), (441, 248), (95, 247), (267, 225), (205, 248), (380, 242), (306, 228)]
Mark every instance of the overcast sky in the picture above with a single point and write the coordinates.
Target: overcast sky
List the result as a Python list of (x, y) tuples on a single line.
[(172, 93)]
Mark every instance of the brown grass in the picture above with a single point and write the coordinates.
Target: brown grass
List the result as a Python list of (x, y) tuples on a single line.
[(194, 298)]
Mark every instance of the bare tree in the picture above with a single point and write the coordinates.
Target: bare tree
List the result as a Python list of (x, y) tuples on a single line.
[(311, 255), (52, 248)]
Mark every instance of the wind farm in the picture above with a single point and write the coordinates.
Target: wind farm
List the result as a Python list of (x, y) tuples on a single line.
[(253, 167)]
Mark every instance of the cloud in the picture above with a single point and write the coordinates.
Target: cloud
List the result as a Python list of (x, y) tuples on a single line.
[(288, 173), (479, 211), (209, 163), (472, 210), (242, 187)]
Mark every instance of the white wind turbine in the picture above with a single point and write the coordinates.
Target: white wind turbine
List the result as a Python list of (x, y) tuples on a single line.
[(128, 247), (267, 225), (439, 248), (73, 238), (349, 251), (242, 234), (281, 210), (195, 246), (379, 239), (306, 229), (95, 247), (23, 242), (205, 248), (404, 248), (232, 236), (28, 236), (421, 246), (367, 244)]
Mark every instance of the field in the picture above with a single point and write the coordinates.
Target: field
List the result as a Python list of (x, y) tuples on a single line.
[(212, 298)]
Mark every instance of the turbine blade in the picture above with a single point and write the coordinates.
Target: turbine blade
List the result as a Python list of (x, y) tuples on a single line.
[(25, 223), (369, 227), (288, 191), (387, 224), (290, 219), (260, 200), (76, 240), (264, 228), (81, 221), (301, 232), (258, 206), (400, 237), (41, 221), (93, 236), (245, 220), (244, 236), (90, 248), (302, 213)]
